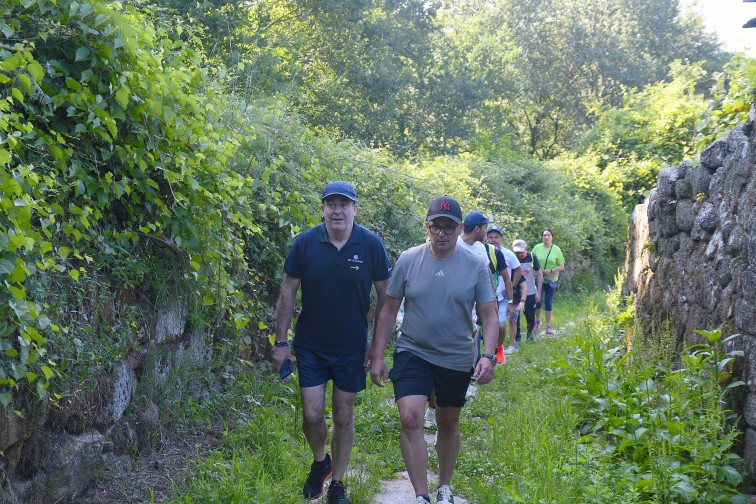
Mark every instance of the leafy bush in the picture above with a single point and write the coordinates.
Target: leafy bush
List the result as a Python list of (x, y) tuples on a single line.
[(662, 428), (733, 97)]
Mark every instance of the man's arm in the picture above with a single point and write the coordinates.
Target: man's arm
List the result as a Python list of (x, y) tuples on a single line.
[(374, 360), (380, 292), (539, 281), (516, 274), (523, 295), (284, 313), (484, 369)]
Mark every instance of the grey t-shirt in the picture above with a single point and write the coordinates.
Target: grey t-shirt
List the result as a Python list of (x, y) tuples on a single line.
[(438, 298)]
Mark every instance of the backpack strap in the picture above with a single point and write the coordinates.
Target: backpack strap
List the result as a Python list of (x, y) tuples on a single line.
[(492, 256)]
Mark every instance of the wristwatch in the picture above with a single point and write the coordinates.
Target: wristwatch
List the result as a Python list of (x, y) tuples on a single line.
[(281, 343), (489, 356)]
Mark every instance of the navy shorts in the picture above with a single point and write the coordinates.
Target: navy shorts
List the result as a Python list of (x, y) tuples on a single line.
[(412, 375), (346, 371)]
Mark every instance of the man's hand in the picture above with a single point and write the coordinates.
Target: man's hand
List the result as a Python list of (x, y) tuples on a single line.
[(484, 371), (280, 354), (376, 365)]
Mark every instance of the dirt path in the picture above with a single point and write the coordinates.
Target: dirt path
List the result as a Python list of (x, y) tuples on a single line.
[(398, 490)]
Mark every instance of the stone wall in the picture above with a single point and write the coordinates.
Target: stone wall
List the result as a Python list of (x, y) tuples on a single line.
[(691, 261), (49, 452)]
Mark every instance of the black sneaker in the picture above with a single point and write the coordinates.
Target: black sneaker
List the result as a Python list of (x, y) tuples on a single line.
[(336, 493), (319, 471)]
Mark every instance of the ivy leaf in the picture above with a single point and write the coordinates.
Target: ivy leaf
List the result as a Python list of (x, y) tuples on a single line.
[(6, 267), (74, 274), (6, 399), (48, 372), (82, 53)]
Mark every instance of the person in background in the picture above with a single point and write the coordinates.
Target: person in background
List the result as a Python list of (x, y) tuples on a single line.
[(551, 259), (439, 282), (504, 297), (336, 264), (520, 293), (531, 270)]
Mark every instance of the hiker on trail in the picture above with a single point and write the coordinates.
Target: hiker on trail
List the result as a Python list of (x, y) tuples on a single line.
[(533, 274), (439, 282), (520, 293), (336, 263), (552, 261), (473, 233), (504, 298)]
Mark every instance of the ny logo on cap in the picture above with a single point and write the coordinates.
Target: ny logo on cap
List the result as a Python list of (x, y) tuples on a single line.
[(445, 205)]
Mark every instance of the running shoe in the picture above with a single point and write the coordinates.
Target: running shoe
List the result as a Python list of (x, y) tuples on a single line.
[(444, 495), (430, 418), (517, 344), (319, 471), (422, 500), (537, 324), (530, 336), (549, 330), (499, 355), (337, 493), (510, 350)]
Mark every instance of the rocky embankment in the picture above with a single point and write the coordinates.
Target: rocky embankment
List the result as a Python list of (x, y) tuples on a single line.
[(691, 262)]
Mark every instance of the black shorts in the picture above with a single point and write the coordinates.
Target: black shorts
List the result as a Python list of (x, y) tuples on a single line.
[(412, 375)]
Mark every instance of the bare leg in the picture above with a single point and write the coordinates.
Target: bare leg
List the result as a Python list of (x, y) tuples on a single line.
[(512, 332), (414, 451), (342, 439), (548, 318), (313, 420), (448, 442), (502, 334)]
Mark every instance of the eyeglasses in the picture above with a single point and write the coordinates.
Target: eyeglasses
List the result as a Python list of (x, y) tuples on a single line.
[(448, 229)]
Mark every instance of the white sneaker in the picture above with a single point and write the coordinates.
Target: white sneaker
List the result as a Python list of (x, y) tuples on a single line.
[(444, 495), (471, 391), (510, 350), (421, 500), (430, 419)]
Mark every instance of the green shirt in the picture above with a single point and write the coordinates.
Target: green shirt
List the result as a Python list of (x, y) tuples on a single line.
[(555, 258)]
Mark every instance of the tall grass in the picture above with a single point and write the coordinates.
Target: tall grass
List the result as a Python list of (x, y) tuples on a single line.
[(572, 418)]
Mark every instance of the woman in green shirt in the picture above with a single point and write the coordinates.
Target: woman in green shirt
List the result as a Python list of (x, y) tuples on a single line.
[(551, 261)]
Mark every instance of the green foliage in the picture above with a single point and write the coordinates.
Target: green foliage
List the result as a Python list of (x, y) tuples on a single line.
[(630, 144), (115, 145), (732, 98), (663, 428), (430, 78)]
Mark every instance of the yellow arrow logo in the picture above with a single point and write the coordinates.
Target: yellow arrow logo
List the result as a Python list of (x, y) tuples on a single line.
[(355, 267)]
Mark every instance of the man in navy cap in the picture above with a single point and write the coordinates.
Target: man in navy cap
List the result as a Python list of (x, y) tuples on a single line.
[(335, 263)]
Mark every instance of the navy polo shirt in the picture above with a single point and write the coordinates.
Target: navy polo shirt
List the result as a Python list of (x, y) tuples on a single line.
[(335, 288)]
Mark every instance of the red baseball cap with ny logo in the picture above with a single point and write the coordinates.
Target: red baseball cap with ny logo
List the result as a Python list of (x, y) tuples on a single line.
[(445, 206)]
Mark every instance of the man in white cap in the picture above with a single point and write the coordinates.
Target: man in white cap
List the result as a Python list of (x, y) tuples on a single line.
[(533, 275)]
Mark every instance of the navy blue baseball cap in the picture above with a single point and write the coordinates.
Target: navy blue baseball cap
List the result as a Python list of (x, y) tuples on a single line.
[(340, 188), (477, 219), (496, 228)]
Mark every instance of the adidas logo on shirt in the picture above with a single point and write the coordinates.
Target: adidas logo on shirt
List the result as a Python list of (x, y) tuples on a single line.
[(440, 273)]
